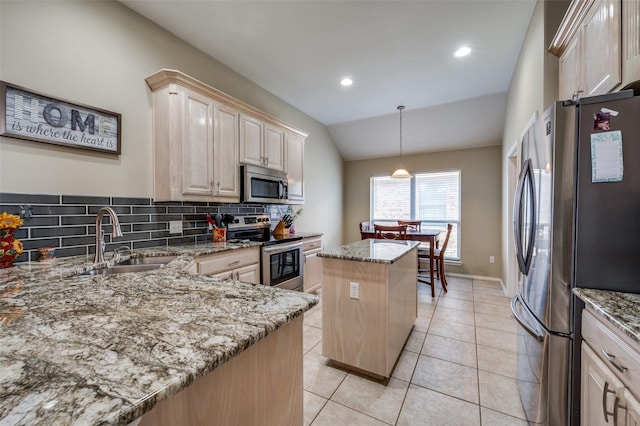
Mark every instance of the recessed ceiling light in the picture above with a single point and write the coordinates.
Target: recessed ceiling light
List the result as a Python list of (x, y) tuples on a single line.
[(463, 51), (346, 81)]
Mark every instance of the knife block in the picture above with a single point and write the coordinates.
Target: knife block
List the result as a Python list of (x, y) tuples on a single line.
[(280, 229)]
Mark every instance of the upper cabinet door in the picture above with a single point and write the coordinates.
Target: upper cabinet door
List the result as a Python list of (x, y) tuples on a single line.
[(570, 71), (601, 48), (225, 154), (197, 144), (251, 137), (630, 41), (294, 146), (274, 147)]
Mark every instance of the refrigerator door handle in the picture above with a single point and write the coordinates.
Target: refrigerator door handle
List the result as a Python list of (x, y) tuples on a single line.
[(539, 337), (526, 179)]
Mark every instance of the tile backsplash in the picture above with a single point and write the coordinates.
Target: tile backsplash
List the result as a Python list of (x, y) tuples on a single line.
[(68, 222)]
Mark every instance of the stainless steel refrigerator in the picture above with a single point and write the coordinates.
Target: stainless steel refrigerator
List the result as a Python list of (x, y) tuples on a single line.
[(576, 224)]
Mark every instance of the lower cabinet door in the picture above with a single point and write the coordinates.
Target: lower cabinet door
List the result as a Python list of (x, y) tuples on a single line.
[(602, 392), (312, 270), (632, 411), (249, 274)]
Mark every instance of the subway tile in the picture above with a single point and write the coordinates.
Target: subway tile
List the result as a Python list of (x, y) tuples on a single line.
[(13, 198), (72, 251), (149, 227), (180, 240), (59, 231), (58, 210), (149, 210), (93, 210), (164, 217), (133, 218), (77, 241), (161, 234), (149, 243), (42, 242), (42, 221), (77, 220), (126, 201), (180, 209), (82, 199)]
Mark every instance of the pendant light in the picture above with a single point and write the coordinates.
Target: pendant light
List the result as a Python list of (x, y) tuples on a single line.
[(401, 173)]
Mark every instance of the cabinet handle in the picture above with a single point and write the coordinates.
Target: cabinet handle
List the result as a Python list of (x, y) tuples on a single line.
[(213, 187), (235, 262), (266, 161), (617, 406), (262, 160), (612, 361), (218, 188), (606, 413)]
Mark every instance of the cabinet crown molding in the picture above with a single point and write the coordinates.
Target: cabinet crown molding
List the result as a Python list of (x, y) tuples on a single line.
[(569, 25), (165, 77)]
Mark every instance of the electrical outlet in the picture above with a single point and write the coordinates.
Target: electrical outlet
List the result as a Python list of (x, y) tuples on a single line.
[(492, 259), (354, 290), (175, 227)]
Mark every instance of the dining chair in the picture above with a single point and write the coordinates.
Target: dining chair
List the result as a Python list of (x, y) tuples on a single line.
[(438, 258), (395, 232), (411, 224), (364, 227)]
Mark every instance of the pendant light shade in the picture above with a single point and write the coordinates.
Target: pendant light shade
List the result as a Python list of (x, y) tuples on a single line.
[(401, 172)]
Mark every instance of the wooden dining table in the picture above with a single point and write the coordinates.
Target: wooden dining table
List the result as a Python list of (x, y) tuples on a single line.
[(424, 235)]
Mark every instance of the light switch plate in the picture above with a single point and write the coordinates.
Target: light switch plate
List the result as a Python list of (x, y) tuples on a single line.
[(175, 227)]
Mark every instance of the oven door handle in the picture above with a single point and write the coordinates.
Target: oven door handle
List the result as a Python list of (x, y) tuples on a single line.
[(281, 247)]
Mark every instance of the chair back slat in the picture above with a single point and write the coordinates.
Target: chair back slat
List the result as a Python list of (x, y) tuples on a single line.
[(396, 232), (411, 224), (445, 241)]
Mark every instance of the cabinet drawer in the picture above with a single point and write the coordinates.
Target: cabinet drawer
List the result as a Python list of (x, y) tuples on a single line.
[(311, 243), (618, 351), (233, 259)]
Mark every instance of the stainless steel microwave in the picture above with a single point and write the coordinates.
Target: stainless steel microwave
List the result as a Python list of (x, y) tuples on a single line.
[(262, 185)]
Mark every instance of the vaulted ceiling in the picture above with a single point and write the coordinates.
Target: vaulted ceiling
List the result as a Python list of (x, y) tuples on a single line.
[(396, 52)]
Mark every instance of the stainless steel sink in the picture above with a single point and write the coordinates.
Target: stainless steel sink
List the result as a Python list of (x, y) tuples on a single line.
[(120, 269), (155, 260)]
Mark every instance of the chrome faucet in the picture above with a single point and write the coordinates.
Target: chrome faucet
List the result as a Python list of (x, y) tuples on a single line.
[(116, 232)]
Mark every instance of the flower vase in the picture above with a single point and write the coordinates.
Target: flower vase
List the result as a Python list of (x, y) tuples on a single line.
[(10, 248)]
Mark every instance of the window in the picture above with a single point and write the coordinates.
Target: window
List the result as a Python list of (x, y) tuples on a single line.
[(433, 198)]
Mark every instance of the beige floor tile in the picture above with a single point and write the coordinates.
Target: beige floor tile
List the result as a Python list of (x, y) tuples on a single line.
[(315, 319), (450, 350), (429, 408), (497, 339), (415, 341), (489, 291), (495, 310), (422, 324), (486, 283), (494, 418), (424, 296), (426, 310), (312, 406), (317, 348), (457, 294), (454, 315), (508, 325), (463, 305), (334, 414), (405, 365), (459, 284), (504, 363), (447, 377), (380, 401), (453, 330), (319, 377), (311, 336), (492, 300), (501, 394)]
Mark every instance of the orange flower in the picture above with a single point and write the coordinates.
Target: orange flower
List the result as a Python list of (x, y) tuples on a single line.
[(17, 246), (9, 221)]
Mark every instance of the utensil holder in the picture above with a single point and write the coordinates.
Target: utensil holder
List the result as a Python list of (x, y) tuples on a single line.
[(280, 229)]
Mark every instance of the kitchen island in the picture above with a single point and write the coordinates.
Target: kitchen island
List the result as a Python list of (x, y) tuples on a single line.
[(106, 349), (369, 303)]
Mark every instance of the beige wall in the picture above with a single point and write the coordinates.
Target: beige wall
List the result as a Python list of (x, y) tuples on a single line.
[(480, 200), (98, 54), (533, 87)]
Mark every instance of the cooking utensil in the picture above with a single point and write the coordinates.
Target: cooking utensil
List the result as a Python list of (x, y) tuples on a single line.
[(211, 221), (218, 218)]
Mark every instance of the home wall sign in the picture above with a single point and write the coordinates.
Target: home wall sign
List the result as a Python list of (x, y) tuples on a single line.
[(29, 115)]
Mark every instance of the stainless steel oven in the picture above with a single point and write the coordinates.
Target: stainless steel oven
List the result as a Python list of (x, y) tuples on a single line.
[(283, 265), (261, 185)]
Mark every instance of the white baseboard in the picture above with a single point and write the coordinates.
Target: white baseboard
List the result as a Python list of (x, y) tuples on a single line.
[(479, 277)]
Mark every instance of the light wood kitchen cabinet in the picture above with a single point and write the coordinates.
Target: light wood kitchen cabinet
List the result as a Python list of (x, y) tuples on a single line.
[(261, 144), (588, 43), (242, 265), (610, 376), (195, 142), (312, 264), (294, 166), (630, 41)]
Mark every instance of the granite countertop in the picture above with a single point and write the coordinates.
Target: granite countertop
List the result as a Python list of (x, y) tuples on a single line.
[(620, 309), (370, 250), (104, 349), (307, 234)]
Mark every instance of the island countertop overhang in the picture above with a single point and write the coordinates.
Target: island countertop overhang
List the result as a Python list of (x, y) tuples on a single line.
[(371, 250)]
